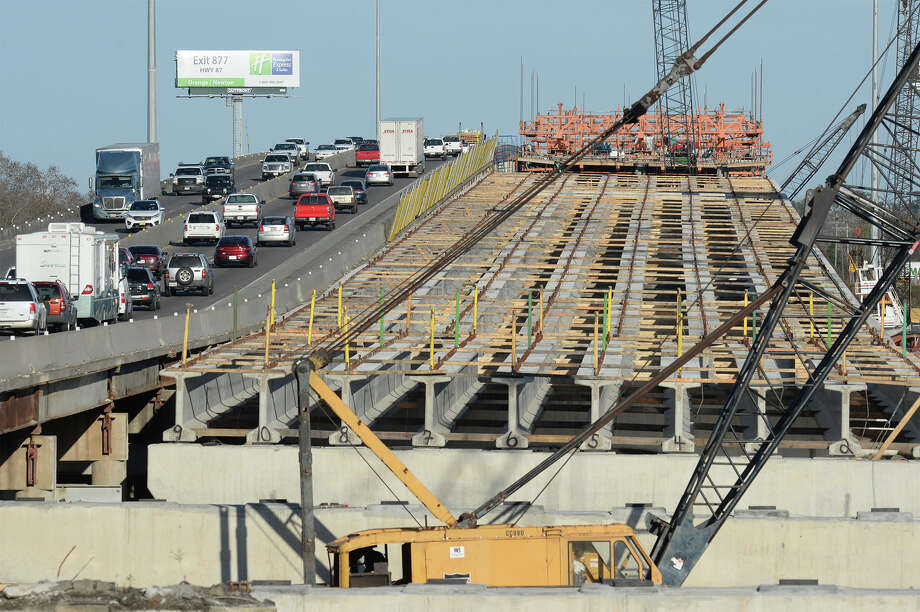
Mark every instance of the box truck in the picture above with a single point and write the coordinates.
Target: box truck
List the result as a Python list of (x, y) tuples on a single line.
[(80, 256), (402, 145), (125, 172)]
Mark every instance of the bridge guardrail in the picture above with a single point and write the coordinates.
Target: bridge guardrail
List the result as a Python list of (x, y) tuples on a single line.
[(441, 183)]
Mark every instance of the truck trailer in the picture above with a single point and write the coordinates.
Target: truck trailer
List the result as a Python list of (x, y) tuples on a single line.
[(402, 145), (124, 173), (83, 258)]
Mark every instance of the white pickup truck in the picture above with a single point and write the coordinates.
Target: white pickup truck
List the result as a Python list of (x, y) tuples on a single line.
[(322, 171), (276, 164), (243, 208)]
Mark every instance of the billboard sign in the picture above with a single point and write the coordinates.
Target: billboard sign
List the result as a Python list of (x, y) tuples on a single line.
[(237, 69)]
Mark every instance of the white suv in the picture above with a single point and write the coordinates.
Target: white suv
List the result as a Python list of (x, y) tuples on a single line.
[(323, 172), (302, 145), (205, 226), (21, 308), (276, 164)]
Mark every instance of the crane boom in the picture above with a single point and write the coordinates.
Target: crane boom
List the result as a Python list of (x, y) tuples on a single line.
[(681, 543), (818, 154)]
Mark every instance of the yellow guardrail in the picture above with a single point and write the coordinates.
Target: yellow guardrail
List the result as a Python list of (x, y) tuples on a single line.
[(426, 193)]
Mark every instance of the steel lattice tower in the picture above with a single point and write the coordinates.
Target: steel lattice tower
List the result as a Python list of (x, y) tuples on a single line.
[(672, 38), (904, 174)]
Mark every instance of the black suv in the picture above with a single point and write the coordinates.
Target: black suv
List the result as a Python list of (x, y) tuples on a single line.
[(143, 287), (217, 186)]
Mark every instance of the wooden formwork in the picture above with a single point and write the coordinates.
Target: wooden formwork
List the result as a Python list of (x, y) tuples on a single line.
[(584, 282)]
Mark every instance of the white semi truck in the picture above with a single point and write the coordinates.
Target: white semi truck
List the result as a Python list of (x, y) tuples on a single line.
[(402, 145), (80, 256)]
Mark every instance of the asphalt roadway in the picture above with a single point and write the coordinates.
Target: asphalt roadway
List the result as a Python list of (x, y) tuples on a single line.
[(169, 238)]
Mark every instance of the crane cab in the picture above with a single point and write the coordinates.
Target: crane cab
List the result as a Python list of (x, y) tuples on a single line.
[(492, 555)]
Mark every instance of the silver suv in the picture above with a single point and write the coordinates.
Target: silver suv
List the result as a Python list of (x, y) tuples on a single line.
[(188, 272), (21, 308)]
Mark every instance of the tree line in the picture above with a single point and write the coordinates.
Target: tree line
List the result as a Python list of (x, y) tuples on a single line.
[(27, 191)]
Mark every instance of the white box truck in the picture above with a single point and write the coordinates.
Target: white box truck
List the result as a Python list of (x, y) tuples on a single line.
[(80, 256), (402, 145)]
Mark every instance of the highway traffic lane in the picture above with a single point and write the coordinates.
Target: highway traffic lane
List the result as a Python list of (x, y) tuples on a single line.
[(268, 257), (246, 175)]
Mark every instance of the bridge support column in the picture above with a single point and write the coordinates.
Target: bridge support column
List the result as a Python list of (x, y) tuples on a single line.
[(103, 441), (433, 434), (832, 410), (345, 436), (515, 437), (753, 411), (28, 466), (678, 430), (604, 395), (268, 430), (185, 419)]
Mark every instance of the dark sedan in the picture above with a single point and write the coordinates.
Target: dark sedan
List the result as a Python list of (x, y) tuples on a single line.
[(235, 250), (151, 257), (145, 290), (359, 188)]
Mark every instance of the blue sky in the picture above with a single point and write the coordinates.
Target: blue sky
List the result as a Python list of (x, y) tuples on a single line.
[(75, 72)]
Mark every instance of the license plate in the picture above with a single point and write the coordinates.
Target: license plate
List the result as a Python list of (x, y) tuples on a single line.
[(312, 218), (233, 257)]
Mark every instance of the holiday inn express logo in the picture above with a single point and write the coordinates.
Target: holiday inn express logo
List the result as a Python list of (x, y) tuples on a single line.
[(260, 63)]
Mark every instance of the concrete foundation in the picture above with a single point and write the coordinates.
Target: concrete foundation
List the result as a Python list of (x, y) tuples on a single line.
[(434, 598), (462, 479), (144, 543)]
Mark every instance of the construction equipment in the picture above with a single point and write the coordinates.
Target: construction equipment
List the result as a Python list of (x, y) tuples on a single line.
[(678, 125), (711, 494), (499, 555), (818, 154)]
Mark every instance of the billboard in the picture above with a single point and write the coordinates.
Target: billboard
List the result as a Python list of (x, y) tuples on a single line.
[(237, 69)]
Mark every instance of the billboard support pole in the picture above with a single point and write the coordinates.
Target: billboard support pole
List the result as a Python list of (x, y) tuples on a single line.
[(377, 125), (237, 104), (151, 71)]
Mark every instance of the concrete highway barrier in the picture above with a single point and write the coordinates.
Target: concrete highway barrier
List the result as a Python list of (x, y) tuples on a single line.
[(71, 355)]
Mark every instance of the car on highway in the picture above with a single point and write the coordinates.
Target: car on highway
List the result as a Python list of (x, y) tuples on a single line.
[(21, 309), (356, 139), (202, 226), (240, 208), (378, 174), (314, 209), (218, 164), (453, 145), (343, 144), (188, 178), (188, 272), (217, 186), (324, 151), (303, 146), (291, 148), (145, 290), (359, 188), (435, 147), (343, 197), (144, 213), (62, 312), (276, 164), (277, 229), (367, 155), (301, 183), (149, 256), (322, 171), (466, 146), (235, 250)]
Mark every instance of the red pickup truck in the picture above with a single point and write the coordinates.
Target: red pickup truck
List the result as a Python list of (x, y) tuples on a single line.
[(367, 155), (314, 209)]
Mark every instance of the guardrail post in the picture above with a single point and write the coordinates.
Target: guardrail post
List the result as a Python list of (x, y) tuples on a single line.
[(347, 349), (273, 304), (268, 331), (235, 309), (339, 311), (188, 314), (310, 328)]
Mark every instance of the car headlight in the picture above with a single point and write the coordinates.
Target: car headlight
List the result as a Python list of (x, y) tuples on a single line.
[(175, 181), (199, 179)]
